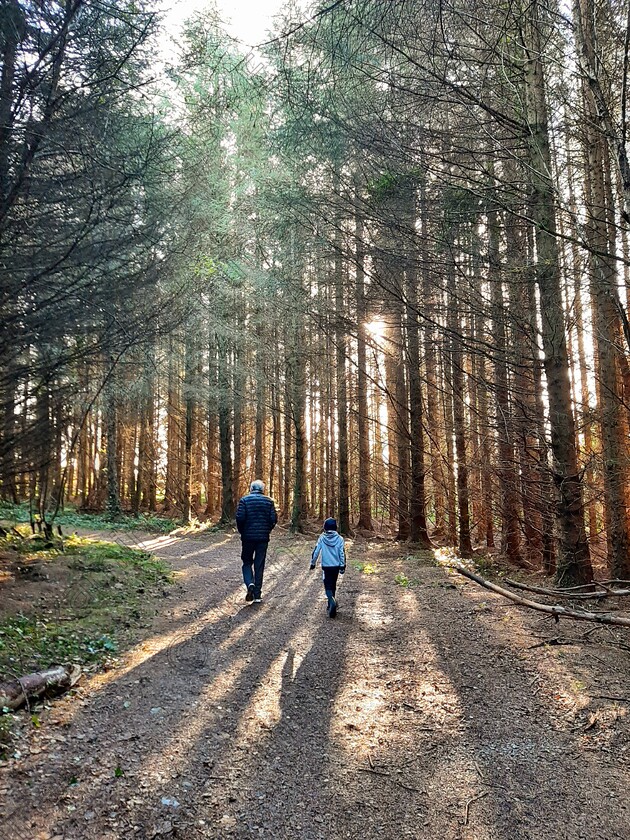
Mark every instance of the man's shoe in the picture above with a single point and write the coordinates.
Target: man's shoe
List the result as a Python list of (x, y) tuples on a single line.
[(250, 592), (258, 600)]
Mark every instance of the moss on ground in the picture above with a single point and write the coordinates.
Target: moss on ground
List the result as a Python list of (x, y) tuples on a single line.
[(74, 600)]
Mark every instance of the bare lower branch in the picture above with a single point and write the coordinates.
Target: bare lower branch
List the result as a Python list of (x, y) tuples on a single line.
[(605, 592), (556, 611)]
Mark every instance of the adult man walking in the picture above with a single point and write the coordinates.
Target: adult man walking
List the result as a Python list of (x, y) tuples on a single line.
[(256, 518)]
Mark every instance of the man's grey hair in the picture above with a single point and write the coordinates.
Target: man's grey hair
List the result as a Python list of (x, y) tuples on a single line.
[(257, 485)]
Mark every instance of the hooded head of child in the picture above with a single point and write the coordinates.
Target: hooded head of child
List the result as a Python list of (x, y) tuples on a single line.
[(330, 524)]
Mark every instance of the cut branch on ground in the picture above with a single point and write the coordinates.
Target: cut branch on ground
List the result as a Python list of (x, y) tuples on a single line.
[(16, 693)]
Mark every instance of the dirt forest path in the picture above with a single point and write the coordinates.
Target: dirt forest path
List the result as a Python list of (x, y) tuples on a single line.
[(422, 711)]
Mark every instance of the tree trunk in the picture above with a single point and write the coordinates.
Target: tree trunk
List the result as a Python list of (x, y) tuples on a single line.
[(508, 480), (447, 470), (342, 399), (224, 403), (418, 532), (189, 402), (458, 394), (8, 461), (365, 507), (296, 376), (574, 565), (114, 507), (172, 433), (259, 442), (211, 429), (603, 284)]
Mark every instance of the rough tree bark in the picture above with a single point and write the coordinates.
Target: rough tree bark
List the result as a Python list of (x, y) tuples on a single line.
[(574, 564), (365, 508), (224, 404)]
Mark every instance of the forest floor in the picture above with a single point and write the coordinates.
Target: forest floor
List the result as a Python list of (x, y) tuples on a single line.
[(427, 709)]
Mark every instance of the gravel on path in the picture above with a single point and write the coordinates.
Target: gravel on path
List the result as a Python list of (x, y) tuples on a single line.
[(422, 711)]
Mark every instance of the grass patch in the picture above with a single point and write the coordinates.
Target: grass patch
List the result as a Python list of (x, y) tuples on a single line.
[(402, 580), (78, 601), (365, 568), (70, 518)]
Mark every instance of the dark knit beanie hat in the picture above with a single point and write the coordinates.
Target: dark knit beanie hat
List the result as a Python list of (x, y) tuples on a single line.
[(330, 524)]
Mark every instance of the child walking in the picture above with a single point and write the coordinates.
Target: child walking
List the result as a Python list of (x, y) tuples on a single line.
[(333, 559)]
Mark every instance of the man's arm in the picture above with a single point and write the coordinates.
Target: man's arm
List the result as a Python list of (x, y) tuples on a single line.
[(273, 516), (241, 515)]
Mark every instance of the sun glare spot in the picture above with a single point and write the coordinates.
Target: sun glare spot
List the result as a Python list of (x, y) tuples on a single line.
[(375, 328)]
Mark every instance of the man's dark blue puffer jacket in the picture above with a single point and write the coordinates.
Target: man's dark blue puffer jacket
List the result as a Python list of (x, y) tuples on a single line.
[(256, 517)]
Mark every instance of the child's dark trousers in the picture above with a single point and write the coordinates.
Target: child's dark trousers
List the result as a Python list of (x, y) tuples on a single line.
[(330, 573)]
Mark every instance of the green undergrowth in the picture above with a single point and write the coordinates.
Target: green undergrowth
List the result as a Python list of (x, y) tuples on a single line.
[(364, 568), (401, 579), (74, 600), (485, 564), (70, 518)]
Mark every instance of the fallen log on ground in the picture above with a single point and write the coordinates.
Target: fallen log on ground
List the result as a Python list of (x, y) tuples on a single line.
[(605, 592), (556, 611), (16, 693)]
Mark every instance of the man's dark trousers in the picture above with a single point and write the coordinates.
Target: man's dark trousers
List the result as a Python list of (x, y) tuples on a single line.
[(253, 552)]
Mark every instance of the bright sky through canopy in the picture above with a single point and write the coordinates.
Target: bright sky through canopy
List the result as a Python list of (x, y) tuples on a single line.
[(246, 20)]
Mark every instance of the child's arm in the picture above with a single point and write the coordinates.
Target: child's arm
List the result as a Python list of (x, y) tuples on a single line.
[(315, 554), (342, 558)]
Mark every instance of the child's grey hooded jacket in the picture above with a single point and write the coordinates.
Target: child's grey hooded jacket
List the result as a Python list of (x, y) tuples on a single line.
[(331, 546)]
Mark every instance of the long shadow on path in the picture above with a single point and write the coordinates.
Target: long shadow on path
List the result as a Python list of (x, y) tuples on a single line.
[(225, 745), (455, 739)]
